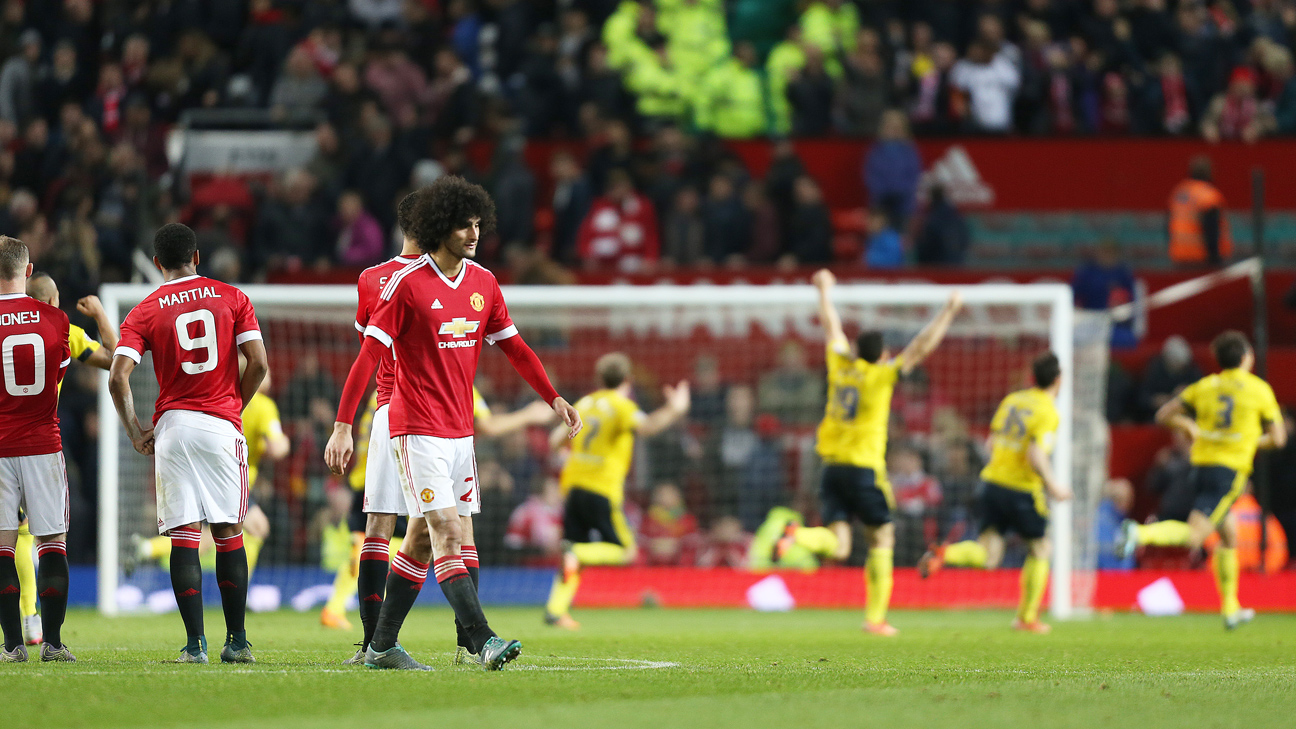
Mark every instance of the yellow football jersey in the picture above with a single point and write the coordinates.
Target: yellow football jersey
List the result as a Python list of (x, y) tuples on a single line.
[(1024, 417), (480, 408), (356, 479), (854, 427), (600, 453), (1231, 409), (81, 344), (260, 423)]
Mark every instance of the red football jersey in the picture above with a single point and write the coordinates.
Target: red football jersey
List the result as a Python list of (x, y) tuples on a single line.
[(436, 327), (371, 283), (193, 326), (35, 354)]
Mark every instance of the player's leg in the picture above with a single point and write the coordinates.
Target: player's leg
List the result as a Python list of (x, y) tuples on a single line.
[(27, 583), (576, 529), (179, 513), (13, 650), (232, 579), (467, 550), (346, 577), (1224, 562), (376, 509), (45, 498), (256, 530), (874, 504), (1034, 580), (834, 540), (370, 577), (1215, 489)]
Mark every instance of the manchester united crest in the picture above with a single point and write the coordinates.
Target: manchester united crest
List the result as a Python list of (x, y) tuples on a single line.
[(477, 300), (427, 496)]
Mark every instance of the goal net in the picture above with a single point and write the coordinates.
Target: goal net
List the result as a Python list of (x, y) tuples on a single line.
[(706, 496)]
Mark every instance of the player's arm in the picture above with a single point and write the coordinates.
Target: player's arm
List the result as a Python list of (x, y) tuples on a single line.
[(124, 400), (1039, 460), (528, 365), (824, 280), (931, 335), (495, 425), (1174, 415), (337, 454), (675, 407), (277, 444), (258, 364), (93, 308), (1275, 435)]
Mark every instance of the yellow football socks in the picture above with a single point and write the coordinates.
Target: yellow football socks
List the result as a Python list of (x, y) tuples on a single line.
[(600, 553), (1225, 562), (562, 593), (1034, 580), (1164, 534), (26, 571), (344, 586), (878, 581), (965, 554), (253, 546), (820, 541)]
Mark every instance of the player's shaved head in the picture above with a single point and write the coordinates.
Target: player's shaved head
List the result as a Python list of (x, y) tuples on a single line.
[(612, 369), (447, 205), (42, 287), (1230, 348), (1046, 369), (14, 258), (868, 345), (174, 245)]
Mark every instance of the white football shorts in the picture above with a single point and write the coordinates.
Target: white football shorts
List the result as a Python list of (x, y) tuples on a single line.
[(202, 470), (437, 473), (38, 486), (382, 492)]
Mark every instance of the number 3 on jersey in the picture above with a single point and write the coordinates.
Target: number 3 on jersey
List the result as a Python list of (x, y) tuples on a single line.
[(12, 386), (193, 344)]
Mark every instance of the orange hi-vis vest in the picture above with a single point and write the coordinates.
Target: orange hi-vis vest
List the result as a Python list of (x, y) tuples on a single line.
[(1188, 201)]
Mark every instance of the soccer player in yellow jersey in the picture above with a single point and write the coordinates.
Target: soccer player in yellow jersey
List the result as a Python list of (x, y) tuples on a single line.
[(1015, 487), (266, 440), (593, 479), (852, 441), (84, 349), (1228, 416)]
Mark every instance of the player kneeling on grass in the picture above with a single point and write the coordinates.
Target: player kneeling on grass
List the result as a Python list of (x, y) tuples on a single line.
[(34, 339), (196, 327), (593, 479), (852, 441), (1015, 484), (433, 315), (1228, 416)]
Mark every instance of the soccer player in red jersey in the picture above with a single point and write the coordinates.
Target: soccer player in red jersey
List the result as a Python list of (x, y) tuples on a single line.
[(35, 354), (433, 315), (195, 327)]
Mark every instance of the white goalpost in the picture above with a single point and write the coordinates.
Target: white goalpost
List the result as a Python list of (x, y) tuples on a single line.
[(671, 330)]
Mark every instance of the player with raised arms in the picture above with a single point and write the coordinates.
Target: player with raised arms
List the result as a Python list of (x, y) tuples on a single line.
[(34, 345), (1016, 486), (195, 327), (1228, 416), (433, 315), (852, 441)]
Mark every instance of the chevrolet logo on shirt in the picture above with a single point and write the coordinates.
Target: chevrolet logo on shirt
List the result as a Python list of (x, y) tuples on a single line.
[(458, 328)]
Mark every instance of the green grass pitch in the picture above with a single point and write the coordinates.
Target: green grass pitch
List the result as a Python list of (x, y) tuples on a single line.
[(671, 668)]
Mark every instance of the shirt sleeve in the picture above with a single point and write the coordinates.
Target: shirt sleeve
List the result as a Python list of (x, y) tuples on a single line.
[(837, 355), (362, 306), (133, 343), (1269, 409), (1044, 432), (499, 325), (1189, 395), (246, 327), (389, 318), (631, 415), (81, 345)]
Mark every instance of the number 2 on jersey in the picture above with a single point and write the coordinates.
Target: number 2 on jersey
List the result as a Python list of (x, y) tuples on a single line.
[(193, 344), (12, 342)]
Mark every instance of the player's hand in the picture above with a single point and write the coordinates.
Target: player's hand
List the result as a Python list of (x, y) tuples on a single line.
[(955, 301), (144, 443), (823, 279), (337, 454), (569, 416), (91, 306), (1059, 492), (538, 413), (678, 397)]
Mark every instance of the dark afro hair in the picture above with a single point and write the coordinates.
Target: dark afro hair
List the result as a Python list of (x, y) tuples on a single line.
[(1229, 349), (174, 245), (1046, 369), (868, 345), (445, 206)]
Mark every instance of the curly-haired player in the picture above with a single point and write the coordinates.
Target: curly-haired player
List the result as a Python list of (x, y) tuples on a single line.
[(434, 314)]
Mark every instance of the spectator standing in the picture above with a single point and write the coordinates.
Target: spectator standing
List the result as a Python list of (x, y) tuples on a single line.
[(400, 84), (936, 106), (810, 94), (513, 186), (59, 81), (684, 232), (1117, 500), (766, 243), (944, 238), (1198, 228), (791, 392), (571, 201), (360, 239), (18, 80), (884, 248), (379, 171), (810, 229), (299, 88), (864, 92), (892, 169), (669, 531), (732, 99), (1166, 374), (991, 84), (1102, 281), (620, 231), (785, 60), (726, 224), (1237, 114)]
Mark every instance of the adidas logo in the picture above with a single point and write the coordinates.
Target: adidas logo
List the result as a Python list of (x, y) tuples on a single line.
[(9, 590), (51, 592), (225, 583), (436, 304), (956, 172), (375, 597), (190, 593)]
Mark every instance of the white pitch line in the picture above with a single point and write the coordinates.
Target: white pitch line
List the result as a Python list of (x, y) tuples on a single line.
[(624, 664)]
